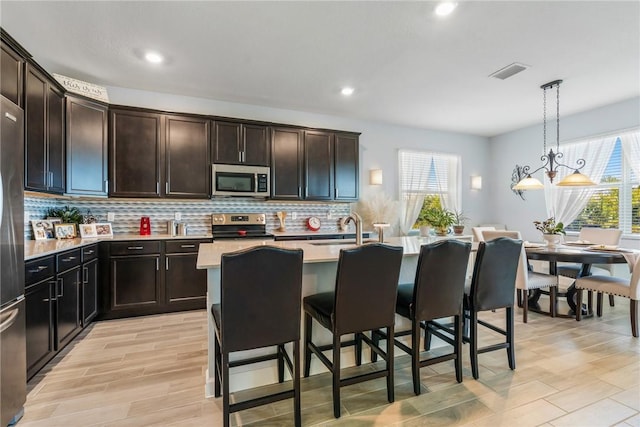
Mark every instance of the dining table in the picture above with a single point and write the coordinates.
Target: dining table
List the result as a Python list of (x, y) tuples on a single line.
[(586, 255)]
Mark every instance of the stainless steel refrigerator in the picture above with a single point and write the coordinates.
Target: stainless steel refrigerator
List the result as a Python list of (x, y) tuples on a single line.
[(13, 359)]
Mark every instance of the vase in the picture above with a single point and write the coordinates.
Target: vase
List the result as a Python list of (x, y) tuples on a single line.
[(458, 229), (425, 231), (552, 240)]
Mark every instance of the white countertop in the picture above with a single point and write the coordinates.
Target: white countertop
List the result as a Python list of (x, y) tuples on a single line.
[(37, 248), (306, 233), (210, 254)]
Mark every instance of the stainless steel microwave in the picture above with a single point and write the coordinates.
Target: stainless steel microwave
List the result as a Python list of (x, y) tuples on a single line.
[(240, 180)]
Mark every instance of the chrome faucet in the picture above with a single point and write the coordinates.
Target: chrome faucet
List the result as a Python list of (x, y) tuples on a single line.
[(358, 221)]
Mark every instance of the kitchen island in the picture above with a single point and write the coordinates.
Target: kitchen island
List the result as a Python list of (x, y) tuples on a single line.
[(318, 275)]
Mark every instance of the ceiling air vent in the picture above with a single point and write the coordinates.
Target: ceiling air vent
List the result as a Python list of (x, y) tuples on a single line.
[(509, 70)]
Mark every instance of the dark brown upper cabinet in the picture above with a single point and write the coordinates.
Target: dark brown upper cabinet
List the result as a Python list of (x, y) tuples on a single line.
[(87, 142), (240, 144), (318, 165), (44, 132), (187, 170), (346, 170), (286, 163), (135, 153), (11, 84)]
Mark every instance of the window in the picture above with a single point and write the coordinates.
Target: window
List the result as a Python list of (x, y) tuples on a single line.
[(615, 202), (427, 179)]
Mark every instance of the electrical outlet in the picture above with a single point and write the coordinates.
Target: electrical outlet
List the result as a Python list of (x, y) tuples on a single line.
[(111, 216), (177, 216), (294, 215)]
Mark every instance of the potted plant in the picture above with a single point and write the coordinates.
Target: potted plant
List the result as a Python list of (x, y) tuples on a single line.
[(460, 220), (552, 231), (440, 219), (67, 215)]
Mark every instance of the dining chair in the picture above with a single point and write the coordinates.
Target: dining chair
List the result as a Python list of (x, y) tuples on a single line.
[(436, 293), (477, 232), (596, 236), (257, 311), (627, 288), (526, 279), (492, 287), (364, 300)]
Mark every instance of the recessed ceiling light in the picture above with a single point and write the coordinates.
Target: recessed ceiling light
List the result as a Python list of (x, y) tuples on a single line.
[(445, 8), (347, 91), (154, 57)]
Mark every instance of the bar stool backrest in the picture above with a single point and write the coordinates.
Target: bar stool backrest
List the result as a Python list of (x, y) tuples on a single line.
[(366, 287), (494, 274), (523, 267), (440, 276), (261, 297)]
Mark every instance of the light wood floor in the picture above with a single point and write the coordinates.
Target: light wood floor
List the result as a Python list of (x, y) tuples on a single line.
[(150, 371)]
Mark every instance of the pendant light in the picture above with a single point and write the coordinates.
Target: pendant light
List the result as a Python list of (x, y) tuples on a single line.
[(551, 163)]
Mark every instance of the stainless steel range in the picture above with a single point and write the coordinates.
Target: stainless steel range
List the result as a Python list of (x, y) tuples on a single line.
[(239, 226)]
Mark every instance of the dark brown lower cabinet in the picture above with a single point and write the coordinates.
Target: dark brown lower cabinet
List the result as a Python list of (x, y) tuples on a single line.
[(89, 291), (186, 286), (39, 299), (67, 293), (135, 283)]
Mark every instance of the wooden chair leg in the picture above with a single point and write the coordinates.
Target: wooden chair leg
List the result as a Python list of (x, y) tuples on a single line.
[(281, 363), (390, 382), (578, 304), (519, 298), (415, 355), (612, 302), (375, 338), (473, 342), (218, 369), (599, 297), (307, 340), (336, 375), (633, 306), (525, 307), (225, 388), (590, 302), (358, 352), (458, 346), (296, 384), (511, 349), (553, 301), (427, 337)]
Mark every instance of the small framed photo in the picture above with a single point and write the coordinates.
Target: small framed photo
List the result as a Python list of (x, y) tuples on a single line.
[(88, 231), (103, 229), (39, 229), (65, 231)]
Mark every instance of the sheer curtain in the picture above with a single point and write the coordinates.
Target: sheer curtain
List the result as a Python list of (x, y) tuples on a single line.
[(566, 203), (631, 150), (414, 167), (447, 175)]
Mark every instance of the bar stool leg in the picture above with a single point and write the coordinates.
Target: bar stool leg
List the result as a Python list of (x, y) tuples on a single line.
[(390, 345), (218, 368), (336, 375), (511, 350), (296, 384), (473, 341), (427, 337), (458, 346), (415, 355), (358, 352), (280, 363), (307, 340), (225, 388), (599, 296)]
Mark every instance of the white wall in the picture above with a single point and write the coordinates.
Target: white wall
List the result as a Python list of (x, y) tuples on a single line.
[(379, 142), (524, 147)]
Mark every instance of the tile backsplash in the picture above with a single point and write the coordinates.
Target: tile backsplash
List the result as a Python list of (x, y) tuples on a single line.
[(195, 213)]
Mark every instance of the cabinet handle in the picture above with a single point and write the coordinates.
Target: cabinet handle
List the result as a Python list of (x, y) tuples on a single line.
[(157, 187), (240, 156), (89, 252), (166, 263), (55, 291), (60, 284), (166, 187), (85, 275), (337, 193), (157, 264), (51, 179), (135, 248), (187, 246), (71, 258), (38, 269), (11, 117), (306, 191), (244, 156), (106, 185)]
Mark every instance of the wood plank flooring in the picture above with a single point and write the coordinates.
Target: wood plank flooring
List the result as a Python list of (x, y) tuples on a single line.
[(149, 371)]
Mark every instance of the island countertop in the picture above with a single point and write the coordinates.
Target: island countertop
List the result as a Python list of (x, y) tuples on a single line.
[(210, 254)]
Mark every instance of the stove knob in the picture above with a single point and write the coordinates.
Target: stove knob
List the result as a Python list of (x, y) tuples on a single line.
[(260, 218)]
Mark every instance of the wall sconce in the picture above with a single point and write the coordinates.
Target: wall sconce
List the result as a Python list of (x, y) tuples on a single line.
[(375, 176), (476, 182)]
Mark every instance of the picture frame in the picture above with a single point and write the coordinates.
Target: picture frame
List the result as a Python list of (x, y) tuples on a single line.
[(103, 229), (65, 231), (88, 231), (43, 229)]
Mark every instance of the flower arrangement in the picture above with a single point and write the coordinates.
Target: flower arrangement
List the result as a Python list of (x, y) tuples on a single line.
[(549, 226)]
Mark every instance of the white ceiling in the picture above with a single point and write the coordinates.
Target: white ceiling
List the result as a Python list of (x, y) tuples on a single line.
[(407, 66)]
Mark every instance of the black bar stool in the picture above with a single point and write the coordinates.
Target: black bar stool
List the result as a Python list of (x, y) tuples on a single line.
[(364, 300), (492, 287), (261, 292), (437, 292)]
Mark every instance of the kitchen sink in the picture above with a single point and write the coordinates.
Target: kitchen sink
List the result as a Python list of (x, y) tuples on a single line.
[(336, 243)]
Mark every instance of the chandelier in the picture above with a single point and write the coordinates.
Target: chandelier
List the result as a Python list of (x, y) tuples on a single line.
[(550, 160)]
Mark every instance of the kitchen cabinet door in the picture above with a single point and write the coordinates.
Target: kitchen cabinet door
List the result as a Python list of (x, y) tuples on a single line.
[(86, 147), (227, 143), (39, 299), (55, 139), (135, 283), (286, 164), (67, 306), (89, 309), (186, 287), (11, 74), (188, 170), (135, 153), (346, 166), (256, 145), (318, 165)]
